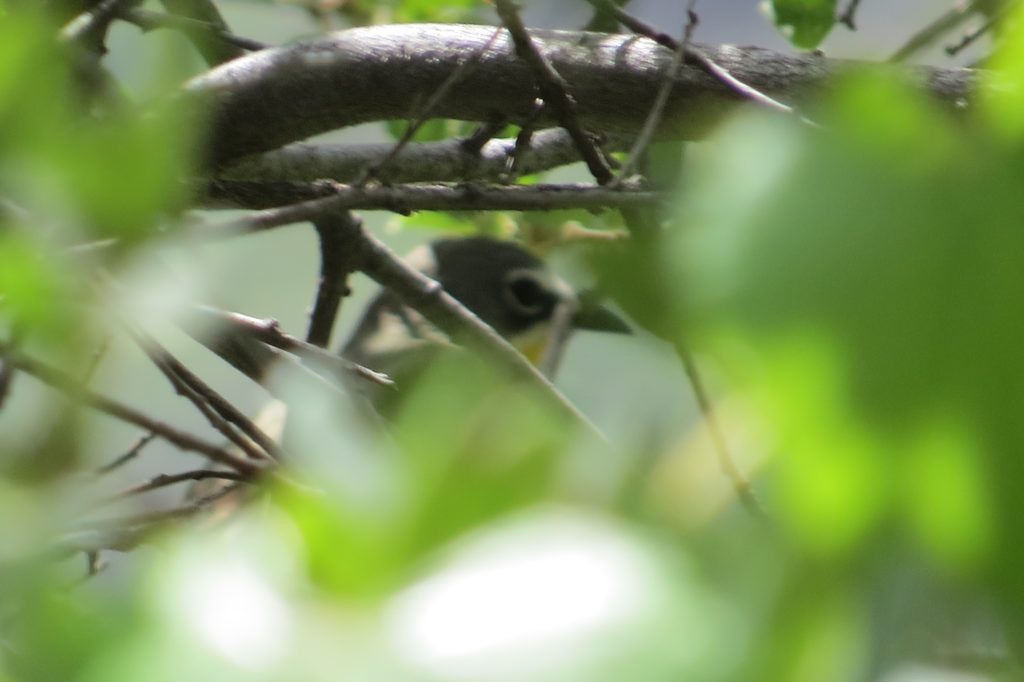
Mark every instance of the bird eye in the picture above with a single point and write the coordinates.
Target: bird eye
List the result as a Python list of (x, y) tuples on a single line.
[(526, 293)]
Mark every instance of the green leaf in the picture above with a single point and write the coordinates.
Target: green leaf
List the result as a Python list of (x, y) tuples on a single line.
[(805, 23), (1002, 97), (36, 290), (867, 280)]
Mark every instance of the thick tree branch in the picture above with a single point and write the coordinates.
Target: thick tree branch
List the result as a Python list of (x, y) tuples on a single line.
[(274, 97), (444, 161), (405, 199)]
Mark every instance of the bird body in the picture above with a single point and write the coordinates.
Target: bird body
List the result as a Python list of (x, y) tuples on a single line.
[(500, 282)]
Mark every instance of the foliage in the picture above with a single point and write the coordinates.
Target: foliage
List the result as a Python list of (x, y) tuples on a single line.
[(854, 288), (804, 22)]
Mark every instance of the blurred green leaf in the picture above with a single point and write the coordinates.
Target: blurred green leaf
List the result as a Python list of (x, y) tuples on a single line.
[(804, 22), (948, 495), (476, 447), (868, 272), (413, 11), (1002, 96), (432, 130), (833, 479), (38, 293), (112, 173)]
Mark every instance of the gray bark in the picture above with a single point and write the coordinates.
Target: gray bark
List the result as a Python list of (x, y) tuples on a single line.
[(279, 96)]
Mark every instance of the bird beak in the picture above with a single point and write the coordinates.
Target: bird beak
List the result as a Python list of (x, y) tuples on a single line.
[(593, 316)]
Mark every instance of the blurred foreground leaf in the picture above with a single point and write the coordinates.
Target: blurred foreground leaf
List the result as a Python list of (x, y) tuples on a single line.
[(863, 283)]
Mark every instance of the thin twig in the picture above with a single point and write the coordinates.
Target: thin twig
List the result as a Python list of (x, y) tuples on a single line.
[(378, 171), (848, 15), (729, 466), (6, 368), (524, 144), (561, 330), (336, 264), (94, 19), (484, 133), (658, 108), (95, 359), (165, 480), (132, 452), (697, 55), (74, 389), (971, 37), (218, 411), (127, 532), (160, 515), (6, 379), (994, 17), (270, 333), (948, 21), (554, 90), (148, 21)]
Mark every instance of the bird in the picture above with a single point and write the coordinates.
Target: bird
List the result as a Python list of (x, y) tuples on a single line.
[(499, 281)]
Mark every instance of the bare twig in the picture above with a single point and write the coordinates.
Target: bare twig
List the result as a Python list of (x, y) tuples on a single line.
[(740, 484), (405, 199), (654, 117), (95, 359), (336, 264), (561, 330), (165, 480), (127, 532), (133, 451), (696, 54), (995, 16), (6, 379), (948, 21), (214, 50), (6, 368), (554, 90), (75, 390), (218, 411), (848, 15), (378, 171), (971, 37), (94, 20), (148, 20), (524, 144), (270, 333), (484, 133)]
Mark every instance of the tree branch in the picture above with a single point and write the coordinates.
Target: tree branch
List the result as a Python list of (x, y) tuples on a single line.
[(336, 264), (405, 199), (554, 90), (271, 98), (444, 161), (72, 388)]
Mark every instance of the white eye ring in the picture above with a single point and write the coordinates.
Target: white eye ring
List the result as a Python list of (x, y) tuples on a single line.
[(526, 292)]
